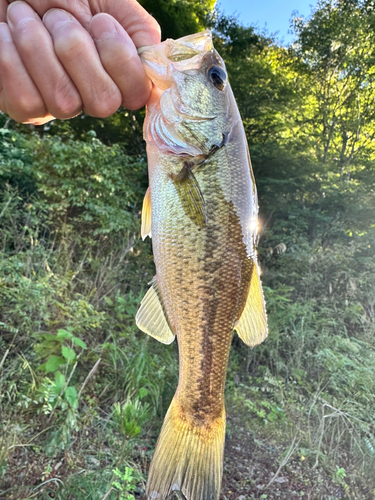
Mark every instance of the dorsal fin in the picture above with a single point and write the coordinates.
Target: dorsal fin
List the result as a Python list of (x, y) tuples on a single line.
[(252, 325), (151, 316), (146, 215)]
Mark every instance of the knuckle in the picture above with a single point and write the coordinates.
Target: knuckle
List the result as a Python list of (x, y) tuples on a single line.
[(6, 64), (29, 42), (25, 110), (30, 106), (104, 110), (67, 108), (134, 103), (136, 93), (6, 68), (152, 24), (105, 104), (137, 99), (67, 102), (70, 47)]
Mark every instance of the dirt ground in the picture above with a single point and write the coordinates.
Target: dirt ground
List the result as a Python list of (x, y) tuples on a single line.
[(251, 471)]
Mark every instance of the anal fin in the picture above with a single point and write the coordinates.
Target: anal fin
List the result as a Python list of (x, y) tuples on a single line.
[(151, 317), (252, 325)]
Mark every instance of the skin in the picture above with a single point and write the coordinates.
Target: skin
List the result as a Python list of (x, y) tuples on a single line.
[(59, 57)]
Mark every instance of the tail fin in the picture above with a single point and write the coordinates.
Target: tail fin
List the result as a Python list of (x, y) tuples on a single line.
[(188, 458)]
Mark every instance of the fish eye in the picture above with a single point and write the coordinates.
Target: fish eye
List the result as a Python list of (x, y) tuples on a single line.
[(217, 76)]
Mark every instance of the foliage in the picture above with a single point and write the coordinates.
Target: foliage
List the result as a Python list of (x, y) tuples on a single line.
[(309, 126), (69, 253), (126, 483), (179, 18)]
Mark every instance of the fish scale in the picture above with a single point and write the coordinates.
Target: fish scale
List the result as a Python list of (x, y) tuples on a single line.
[(202, 206), (193, 309)]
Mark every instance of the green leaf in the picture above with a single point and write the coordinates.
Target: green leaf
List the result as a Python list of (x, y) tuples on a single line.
[(117, 485), (272, 416), (79, 342), (142, 392), (50, 336), (59, 381), (63, 334), (68, 353), (71, 396), (53, 363)]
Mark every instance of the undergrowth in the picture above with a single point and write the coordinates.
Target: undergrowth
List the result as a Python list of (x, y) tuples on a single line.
[(83, 392)]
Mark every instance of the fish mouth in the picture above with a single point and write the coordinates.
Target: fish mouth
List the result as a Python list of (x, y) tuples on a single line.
[(183, 48), (188, 56), (171, 66), (184, 55)]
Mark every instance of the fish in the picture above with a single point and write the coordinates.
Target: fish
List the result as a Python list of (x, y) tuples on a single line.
[(201, 210)]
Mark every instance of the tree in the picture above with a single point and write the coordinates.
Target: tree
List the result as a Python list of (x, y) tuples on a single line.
[(178, 18), (337, 48)]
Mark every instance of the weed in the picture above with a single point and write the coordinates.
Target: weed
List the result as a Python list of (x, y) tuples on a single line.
[(126, 482)]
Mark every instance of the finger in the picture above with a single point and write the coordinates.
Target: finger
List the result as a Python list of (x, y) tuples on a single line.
[(121, 61), (142, 28), (2, 97), (34, 44), (3, 10), (139, 24), (19, 97), (77, 53)]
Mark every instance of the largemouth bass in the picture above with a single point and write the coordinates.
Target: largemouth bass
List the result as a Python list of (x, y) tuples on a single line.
[(201, 209)]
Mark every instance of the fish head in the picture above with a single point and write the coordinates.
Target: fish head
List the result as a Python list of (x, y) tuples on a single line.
[(189, 110)]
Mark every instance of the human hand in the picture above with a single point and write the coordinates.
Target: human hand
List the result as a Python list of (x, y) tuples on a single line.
[(58, 57)]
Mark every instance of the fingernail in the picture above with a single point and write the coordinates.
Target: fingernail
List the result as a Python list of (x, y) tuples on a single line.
[(102, 27), (55, 18), (20, 13)]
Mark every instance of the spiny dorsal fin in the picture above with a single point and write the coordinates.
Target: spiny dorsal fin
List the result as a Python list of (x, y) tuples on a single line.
[(252, 325), (146, 215), (190, 195), (151, 317)]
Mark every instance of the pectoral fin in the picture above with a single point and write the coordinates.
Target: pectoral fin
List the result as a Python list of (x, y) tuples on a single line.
[(151, 316), (190, 195), (252, 325), (146, 215)]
